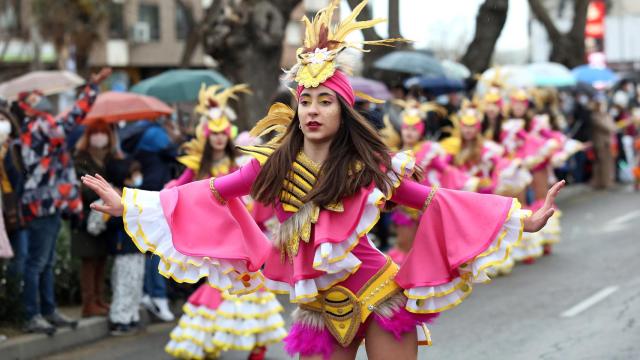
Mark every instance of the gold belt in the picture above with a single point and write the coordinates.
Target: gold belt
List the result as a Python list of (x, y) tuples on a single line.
[(344, 311)]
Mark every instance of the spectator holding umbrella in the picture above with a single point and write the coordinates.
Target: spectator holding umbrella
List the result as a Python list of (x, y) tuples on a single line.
[(50, 189)]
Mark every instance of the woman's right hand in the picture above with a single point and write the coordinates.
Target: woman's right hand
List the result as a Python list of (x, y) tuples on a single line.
[(112, 200)]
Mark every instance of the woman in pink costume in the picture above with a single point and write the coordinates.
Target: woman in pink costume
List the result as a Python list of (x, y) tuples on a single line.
[(431, 159), (215, 320), (535, 153), (484, 159), (328, 176)]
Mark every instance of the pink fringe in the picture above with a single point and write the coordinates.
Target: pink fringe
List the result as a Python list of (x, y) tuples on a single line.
[(403, 322), (307, 341)]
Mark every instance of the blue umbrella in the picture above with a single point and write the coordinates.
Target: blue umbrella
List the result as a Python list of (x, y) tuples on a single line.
[(410, 62), (599, 77), (435, 85)]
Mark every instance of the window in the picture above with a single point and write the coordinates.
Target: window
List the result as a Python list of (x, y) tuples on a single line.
[(10, 16), (150, 14), (182, 25), (117, 28)]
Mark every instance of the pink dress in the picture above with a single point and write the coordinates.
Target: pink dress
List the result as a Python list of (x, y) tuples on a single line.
[(534, 152), (541, 127), (497, 174), (215, 321), (460, 235)]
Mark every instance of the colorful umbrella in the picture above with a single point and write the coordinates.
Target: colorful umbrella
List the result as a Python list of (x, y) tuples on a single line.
[(115, 106), (455, 70), (436, 85), (410, 62), (49, 82), (370, 87), (180, 85), (549, 74), (598, 77)]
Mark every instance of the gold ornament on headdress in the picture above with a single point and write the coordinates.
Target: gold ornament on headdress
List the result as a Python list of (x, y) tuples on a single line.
[(316, 61), (212, 104), (414, 112), (519, 95)]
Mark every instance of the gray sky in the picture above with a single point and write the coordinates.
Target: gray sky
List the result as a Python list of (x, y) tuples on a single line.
[(451, 23)]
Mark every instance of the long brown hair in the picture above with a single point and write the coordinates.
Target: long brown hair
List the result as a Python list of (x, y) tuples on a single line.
[(469, 154), (206, 162), (357, 158)]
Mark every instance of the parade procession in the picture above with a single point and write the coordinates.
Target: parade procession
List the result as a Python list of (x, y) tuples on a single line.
[(319, 179)]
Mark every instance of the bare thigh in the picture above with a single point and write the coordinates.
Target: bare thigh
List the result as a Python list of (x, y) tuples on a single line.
[(540, 183), (339, 353), (381, 345)]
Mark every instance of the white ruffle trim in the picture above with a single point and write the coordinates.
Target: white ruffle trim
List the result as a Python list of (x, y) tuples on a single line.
[(551, 232), (513, 179), (335, 259), (529, 247), (145, 223), (570, 147), (433, 299)]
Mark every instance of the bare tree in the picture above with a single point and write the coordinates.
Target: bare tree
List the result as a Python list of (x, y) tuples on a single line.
[(489, 23), (71, 24), (246, 38), (370, 34), (566, 48)]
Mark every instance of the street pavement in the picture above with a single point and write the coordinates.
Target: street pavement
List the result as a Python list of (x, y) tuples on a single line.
[(582, 302)]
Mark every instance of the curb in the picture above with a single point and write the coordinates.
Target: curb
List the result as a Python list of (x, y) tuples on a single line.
[(38, 345)]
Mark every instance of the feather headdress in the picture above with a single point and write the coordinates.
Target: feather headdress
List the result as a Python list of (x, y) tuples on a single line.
[(414, 112), (317, 59), (213, 105)]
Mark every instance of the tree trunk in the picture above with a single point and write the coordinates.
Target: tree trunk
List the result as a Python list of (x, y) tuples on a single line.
[(489, 23), (193, 35), (246, 38), (370, 34), (567, 49), (394, 19)]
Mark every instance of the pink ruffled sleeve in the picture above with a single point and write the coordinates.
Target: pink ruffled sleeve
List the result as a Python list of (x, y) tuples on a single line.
[(460, 235), (196, 236)]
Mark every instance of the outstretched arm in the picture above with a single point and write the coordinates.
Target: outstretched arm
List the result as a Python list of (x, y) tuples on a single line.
[(539, 219)]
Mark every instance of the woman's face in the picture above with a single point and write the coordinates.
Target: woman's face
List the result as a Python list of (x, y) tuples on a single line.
[(492, 110), (519, 108), (410, 135), (468, 132), (218, 141), (319, 114), (99, 140)]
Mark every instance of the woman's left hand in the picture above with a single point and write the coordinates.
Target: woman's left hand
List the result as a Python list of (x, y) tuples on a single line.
[(539, 219)]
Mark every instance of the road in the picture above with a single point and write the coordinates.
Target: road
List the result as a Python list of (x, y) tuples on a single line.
[(582, 302)]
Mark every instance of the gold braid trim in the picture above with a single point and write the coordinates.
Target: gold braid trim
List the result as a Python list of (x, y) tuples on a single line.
[(215, 192), (432, 194)]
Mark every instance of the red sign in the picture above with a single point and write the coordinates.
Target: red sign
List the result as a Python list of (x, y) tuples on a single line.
[(595, 20)]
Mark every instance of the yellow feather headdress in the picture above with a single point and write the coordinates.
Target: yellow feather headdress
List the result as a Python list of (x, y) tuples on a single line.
[(316, 60), (414, 112), (212, 105)]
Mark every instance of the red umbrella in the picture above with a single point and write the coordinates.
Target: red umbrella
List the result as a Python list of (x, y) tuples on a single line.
[(115, 106)]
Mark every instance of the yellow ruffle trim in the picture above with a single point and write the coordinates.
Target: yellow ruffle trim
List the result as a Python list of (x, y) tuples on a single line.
[(463, 284)]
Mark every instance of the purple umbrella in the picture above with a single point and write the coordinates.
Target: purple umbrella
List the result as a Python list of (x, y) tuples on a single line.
[(370, 87)]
